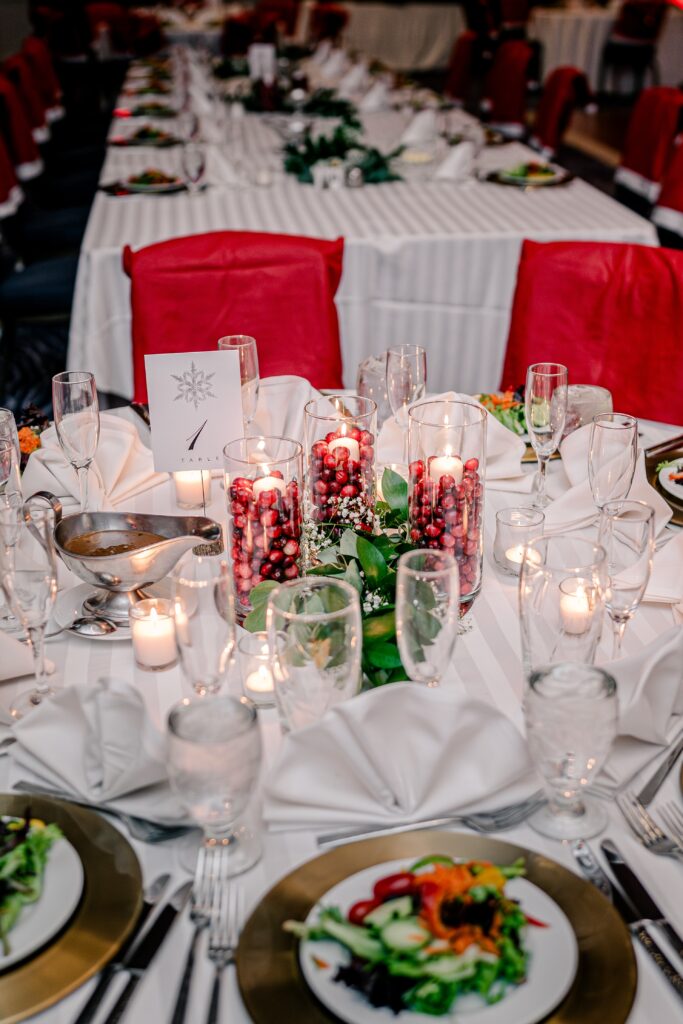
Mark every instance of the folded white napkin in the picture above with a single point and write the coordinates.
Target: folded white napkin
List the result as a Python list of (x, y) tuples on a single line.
[(121, 469), (400, 753), (16, 659), (335, 65), (354, 81), (280, 409), (458, 164), (504, 449), (375, 99), (666, 580), (262, 61), (421, 129), (96, 741), (322, 52)]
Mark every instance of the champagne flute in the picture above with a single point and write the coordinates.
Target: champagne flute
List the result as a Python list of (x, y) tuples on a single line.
[(612, 456), (427, 613), (77, 420), (406, 381), (627, 533), (194, 165), (10, 478), (11, 517), (204, 614), (249, 373), (546, 410)]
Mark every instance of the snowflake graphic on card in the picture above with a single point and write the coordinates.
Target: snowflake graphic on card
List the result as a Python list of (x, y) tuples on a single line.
[(194, 386)]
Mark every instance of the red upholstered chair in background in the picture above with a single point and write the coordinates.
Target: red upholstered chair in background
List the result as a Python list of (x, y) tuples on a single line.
[(654, 123), (327, 21), (189, 292), (283, 13), (461, 66), (668, 213), (40, 59), (20, 72), (11, 195), (506, 85), (612, 313), (115, 20), (514, 15), (16, 131), (565, 89), (632, 43)]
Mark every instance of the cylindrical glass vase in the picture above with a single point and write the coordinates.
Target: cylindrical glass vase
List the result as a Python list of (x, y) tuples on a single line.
[(447, 450), (263, 482)]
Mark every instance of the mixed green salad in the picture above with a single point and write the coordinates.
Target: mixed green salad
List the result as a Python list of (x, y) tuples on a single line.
[(24, 847), (429, 935), (508, 409), (531, 171)]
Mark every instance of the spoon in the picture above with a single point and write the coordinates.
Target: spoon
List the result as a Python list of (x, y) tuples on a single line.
[(86, 625)]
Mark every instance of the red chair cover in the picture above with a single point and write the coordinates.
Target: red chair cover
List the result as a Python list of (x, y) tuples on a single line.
[(612, 313), (514, 13), (189, 292), (11, 195), (40, 59), (239, 32), (461, 66), (116, 19), (565, 88), (146, 33), (16, 130), (653, 125), (19, 71), (505, 86), (327, 21), (668, 212), (639, 21), (284, 12)]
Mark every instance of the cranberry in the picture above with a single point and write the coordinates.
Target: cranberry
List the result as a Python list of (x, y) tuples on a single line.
[(240, 522), (332, 436), (291, 572), (291, 548), (432, 530), (448, 541), (415, 536), (277, 473), (243, 585), (268, 518), (448, 501), (330, 461), (342, 453), (319, 449), (274, 532), (472, 465), (321, 487), (367, 453), (240, 483), (349, 491), (366, 438), (326, 475), (341, 477), (417, 469), (266, 569), (465, 588), (355, 434), (447, 482)]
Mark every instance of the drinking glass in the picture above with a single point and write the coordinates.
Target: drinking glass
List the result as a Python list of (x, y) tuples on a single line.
[(315, 637), (77, 419), (570, 712), (30, 586), (204, 614), (194, 165), (546, 410), (213, 757), (612, 456), (11, 518), (249, 374), (627, 533), (406, 381), (371, 382), (427, 613), (8, 432)]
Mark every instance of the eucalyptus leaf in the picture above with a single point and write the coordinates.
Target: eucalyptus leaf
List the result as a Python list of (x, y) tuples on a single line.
[(255, 621), (372, 561), (348, 544), (383, 655), (352, 575), (395, 490)]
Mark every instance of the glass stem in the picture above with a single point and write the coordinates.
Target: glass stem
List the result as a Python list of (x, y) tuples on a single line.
[(36, 635), (83, 486), (540, 481), (619, 629)]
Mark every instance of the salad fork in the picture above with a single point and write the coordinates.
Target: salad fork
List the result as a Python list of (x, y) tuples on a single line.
[(227, 915), (646, 828), (672, 816), (200, 912)]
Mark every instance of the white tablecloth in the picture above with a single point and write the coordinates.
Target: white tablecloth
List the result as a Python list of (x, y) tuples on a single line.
[(427, 261), (487, 666), (576, 36)]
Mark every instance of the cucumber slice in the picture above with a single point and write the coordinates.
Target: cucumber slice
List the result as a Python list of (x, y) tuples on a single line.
[(402, 906), (405, 936)]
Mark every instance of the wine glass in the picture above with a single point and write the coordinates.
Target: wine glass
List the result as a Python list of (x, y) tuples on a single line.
[(546, 409), (204, 614), (77, 419), (8, 432), (30, 585), (11, 518), (427, 613), (194, 165), (406, 381), (627, 533), (570, 712), (249, 374), (213, 758), (612, 456)]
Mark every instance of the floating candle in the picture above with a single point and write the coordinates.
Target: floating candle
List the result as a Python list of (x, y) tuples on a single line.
[(268, 483), (349, 443), (261, 681), (446, 465)]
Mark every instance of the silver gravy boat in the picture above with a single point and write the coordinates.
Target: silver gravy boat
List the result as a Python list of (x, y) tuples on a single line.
[(120, 578)]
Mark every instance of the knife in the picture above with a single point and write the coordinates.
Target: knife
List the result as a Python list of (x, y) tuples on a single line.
[(152, 897), (144, 951), (647, 793), (638, 895), (588, 863)]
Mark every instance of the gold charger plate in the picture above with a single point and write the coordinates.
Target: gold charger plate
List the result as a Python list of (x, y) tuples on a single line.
[(109, 907), (271, 982), (653, 477)]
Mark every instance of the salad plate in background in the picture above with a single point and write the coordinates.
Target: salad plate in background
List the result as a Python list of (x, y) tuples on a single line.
[(670, 475)]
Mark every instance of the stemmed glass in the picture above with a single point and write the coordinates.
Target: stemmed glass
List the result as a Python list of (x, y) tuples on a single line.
[(612, 456), (213, 758), (249, 373), (77, 419), (406, 381), (571, 722), (627, 533), (427, 613), (11, 517), (30, 586), (546, 409), (204, 614), (194, 165), (8, 432)]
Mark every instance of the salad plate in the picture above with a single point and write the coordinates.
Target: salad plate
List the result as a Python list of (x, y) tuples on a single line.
[(657, 474), (62, 887), (154, 182), (667, 475), (601, 988), (553, 958), (533, 174)]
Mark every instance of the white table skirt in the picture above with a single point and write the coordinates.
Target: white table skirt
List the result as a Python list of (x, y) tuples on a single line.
[(486, 664), (423, 261)]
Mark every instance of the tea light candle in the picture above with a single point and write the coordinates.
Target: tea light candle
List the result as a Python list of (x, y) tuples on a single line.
[(153, 634), (259, 682), (349, 443), (575, 608), (446, 465), (268, 483), (192, 488), (515, 556), (258, 673)]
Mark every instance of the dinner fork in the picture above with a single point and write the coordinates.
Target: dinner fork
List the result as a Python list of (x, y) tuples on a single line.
[(672, 816), (646, 828), (200, 912), (227, 915)]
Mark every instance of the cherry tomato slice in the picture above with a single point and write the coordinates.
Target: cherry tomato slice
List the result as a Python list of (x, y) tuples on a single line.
[(401, 884), (534, 922), (359, 911)]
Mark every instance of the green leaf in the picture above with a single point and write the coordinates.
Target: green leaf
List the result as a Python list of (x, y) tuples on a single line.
[(348, 545), (352, 575), (255, 621), (395, 490), (427, 627), (383, 655), (379, 627), (372, 561)]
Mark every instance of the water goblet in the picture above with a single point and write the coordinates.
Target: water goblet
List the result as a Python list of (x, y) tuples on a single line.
[(570, 712), (11, 518), (249, 372), (194, 165), (8, 432), (77, 420), (627, 533), (612, 456), (406, 381), (213, 758), (427, 613), (204, 612), (546, 410)]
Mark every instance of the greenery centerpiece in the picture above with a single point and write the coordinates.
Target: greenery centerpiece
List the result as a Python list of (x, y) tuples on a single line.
[(343, 144)]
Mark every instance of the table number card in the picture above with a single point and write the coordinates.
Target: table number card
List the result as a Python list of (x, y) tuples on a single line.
[(195, 408)]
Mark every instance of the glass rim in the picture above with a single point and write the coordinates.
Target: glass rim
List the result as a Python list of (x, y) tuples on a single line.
[(178, 710), (339, 414), (531, 545), (258, 634), (470, 404), (633, 504), (427, 573), (315, 583), (73, 377), (166, 612), (609, 683), (236, 340), (560, 370), (298, 449), (407, 349), (178, 570), (534, 516), (609, 419)]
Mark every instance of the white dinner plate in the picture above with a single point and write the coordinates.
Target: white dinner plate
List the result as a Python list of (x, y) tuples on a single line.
[(547, 179), (169, 186), (674, 488), (552, 966), (40, 921)]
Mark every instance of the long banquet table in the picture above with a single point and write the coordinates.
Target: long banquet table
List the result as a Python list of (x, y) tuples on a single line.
[(486, 665)]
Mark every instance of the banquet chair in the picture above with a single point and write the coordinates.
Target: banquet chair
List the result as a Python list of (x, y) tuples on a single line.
[(632, 44), (505, 87), (461, 67), (15, 128), (513, 17), (327, 21), (565, 89), (40, 59), (21, 74), (189, 292), (611, 312), (283, 13), (668, 213), (656, 119)]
